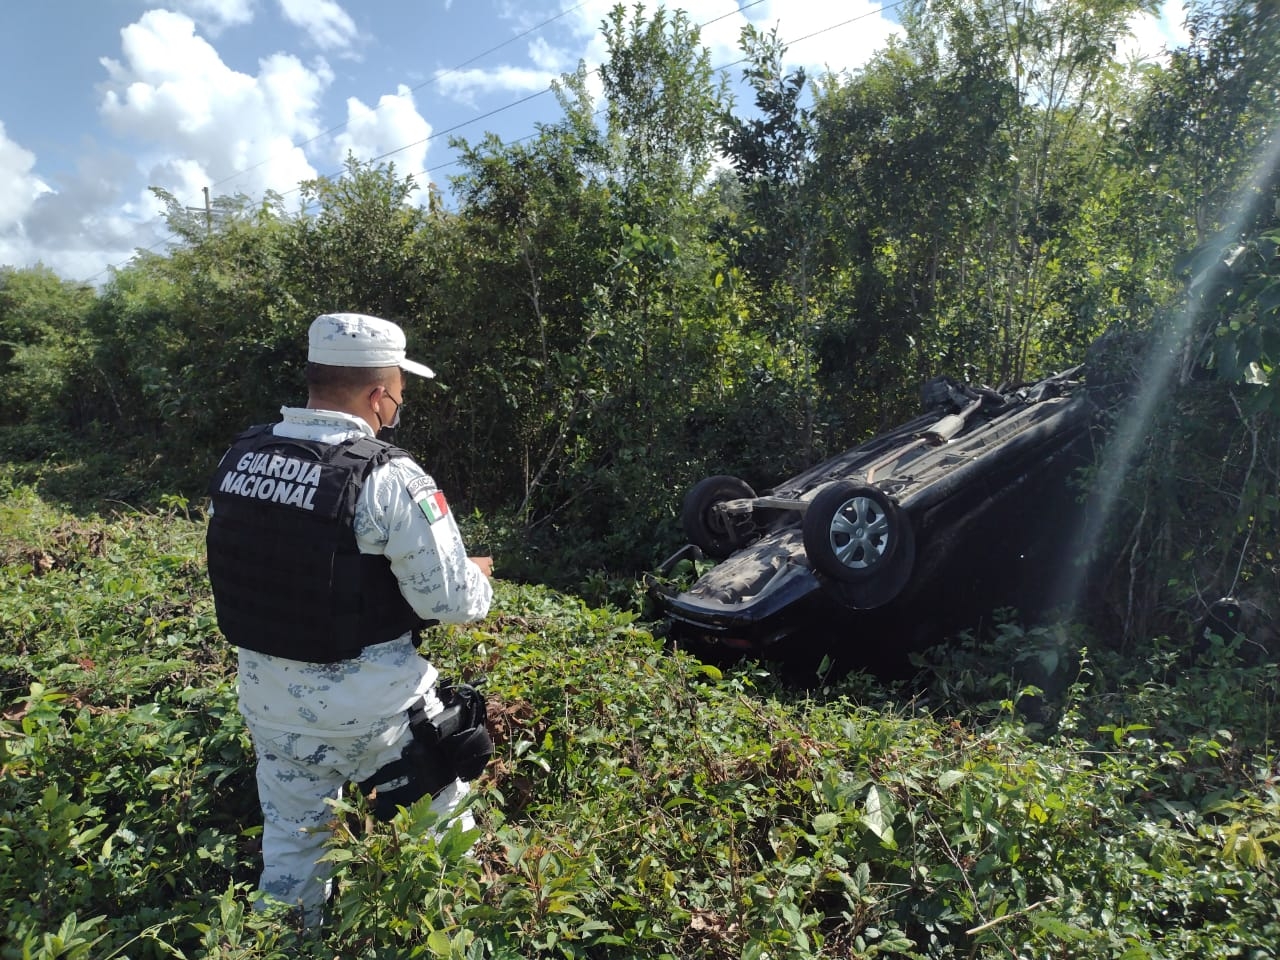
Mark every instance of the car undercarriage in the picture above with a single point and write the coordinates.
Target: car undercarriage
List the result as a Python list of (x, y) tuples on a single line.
[(968, 507)]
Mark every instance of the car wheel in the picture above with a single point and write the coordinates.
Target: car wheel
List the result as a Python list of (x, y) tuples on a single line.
[(851, 531), (708, 528), (891, 577)]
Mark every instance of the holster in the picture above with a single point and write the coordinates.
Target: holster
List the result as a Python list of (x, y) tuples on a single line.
[(452, 745), (460, 730)]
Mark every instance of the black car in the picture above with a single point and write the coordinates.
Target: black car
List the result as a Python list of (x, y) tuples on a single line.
[(968, 507)]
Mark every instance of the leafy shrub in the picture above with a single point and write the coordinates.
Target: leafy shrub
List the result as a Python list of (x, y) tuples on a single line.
[(641, 803)]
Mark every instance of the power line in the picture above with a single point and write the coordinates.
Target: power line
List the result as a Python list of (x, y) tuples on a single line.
[(433, 79), (511, 105), (726, 66)]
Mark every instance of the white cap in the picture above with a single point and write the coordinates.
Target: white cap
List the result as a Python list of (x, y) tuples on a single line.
[(357, 340)]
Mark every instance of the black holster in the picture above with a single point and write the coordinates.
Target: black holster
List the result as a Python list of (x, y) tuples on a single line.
[(460, 730), (452, 745)]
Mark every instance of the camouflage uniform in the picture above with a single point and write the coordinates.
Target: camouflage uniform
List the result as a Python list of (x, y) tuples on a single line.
[(318, 726)]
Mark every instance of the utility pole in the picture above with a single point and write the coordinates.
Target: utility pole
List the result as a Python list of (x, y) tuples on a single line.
[(207, 210)]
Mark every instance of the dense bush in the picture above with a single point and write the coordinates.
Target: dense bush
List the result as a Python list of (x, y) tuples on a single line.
[(657, 807)]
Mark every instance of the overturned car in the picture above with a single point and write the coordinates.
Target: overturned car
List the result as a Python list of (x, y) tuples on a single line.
[(968, 507)]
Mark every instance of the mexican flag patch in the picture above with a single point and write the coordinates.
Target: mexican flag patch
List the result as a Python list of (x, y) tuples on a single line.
[(434, 506)]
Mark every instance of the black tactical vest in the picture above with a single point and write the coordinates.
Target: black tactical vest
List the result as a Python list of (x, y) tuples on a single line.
[(288, 578)]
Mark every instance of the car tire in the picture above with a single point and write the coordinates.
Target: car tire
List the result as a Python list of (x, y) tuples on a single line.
[(704, 526), (889, 581), (852, 531)]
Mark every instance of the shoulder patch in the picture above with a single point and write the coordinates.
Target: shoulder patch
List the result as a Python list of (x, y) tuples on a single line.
[(433, 505), (419, 485)]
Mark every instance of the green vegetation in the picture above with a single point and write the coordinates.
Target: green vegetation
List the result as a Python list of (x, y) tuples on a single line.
[(655, 808), (612, 319)]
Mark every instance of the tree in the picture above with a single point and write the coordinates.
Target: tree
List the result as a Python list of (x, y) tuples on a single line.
[(644, 351), (906, 154), (44, 345), (199, 342), (782, 228), (1203, 422), (966, 149), (510, 279), (661, 103), (354, 245)]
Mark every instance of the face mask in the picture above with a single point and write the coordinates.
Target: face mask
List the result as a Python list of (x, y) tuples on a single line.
[(386, 430)]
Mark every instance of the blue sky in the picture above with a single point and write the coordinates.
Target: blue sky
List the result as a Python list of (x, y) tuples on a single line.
[(101, 99)]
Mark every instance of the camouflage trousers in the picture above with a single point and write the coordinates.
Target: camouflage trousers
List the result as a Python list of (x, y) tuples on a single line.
[(297, 774)]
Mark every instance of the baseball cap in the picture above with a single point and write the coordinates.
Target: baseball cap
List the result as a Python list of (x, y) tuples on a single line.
[(358, 340)]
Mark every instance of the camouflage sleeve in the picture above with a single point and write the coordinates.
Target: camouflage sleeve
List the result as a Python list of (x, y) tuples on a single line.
[(405, 517)]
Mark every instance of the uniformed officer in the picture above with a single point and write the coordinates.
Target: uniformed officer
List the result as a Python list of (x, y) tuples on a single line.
[(329, 550)]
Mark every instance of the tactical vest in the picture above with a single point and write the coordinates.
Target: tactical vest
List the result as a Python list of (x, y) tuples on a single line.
[(288, 579)]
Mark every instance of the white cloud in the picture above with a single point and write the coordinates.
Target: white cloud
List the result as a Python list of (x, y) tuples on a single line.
[(393, 127), (555, 60), (203, 120), (216, 15), (78, 224), (326, 23), (466, 85), (187, 121), (1153, 36), (19, 187)]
